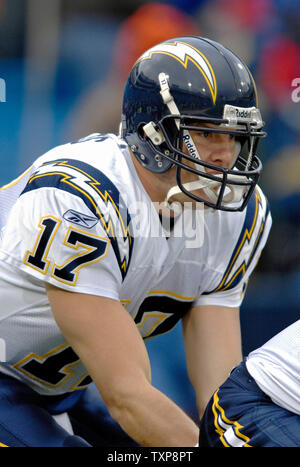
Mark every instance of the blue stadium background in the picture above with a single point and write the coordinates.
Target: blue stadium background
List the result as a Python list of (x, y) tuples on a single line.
[(64, 64)]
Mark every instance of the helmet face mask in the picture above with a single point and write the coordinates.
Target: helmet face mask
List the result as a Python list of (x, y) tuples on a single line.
[(243, 174), (162, 109)]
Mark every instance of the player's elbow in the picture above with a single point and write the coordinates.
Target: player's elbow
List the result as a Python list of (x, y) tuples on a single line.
[(123, 402), (120, 410)]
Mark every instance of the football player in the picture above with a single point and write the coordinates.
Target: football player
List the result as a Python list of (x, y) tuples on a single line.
[(89, 269), (265, 389)]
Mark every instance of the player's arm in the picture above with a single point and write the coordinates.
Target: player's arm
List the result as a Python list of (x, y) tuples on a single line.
[(107, 341), (213, 347)]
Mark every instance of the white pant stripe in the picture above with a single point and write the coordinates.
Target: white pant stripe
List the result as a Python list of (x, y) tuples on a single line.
[(230, 436)]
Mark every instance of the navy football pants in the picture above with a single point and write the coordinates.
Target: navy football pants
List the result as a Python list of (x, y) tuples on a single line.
[(26, 418), (239, 414)]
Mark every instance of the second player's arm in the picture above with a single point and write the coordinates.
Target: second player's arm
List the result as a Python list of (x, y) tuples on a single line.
[(106, 339)]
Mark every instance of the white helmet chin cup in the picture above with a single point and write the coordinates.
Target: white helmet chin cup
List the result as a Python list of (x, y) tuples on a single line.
[(234, 193), (190, 186)]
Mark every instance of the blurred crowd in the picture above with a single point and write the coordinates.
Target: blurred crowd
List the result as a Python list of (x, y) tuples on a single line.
[(65, 63)]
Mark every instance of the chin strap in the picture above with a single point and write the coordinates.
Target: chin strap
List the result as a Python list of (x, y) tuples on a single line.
[(234, 192), (209, 187)]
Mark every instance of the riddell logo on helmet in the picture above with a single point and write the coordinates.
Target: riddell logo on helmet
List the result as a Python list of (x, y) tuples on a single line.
[(190, 146), (242, 113)]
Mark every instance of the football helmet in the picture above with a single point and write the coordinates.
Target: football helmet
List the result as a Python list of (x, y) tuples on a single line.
[(194, 84)]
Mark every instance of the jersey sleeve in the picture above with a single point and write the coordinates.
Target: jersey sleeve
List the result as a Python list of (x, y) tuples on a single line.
[(230, 290), (66, 230)]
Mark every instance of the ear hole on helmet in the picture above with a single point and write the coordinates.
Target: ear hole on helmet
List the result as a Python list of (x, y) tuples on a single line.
[(172, 132), (140, 131)]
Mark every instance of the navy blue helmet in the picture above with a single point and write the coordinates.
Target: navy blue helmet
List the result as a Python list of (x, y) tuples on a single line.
[(183, 84)]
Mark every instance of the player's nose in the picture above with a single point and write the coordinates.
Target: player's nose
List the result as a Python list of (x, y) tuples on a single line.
[(223, 153)]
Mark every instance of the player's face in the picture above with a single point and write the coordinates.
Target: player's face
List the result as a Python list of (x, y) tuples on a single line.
[(215, 148)]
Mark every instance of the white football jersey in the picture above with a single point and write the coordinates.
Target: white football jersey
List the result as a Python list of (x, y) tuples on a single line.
[(81, 220), (275, 366)]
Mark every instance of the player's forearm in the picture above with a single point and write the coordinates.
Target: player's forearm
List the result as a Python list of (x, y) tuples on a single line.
[(210, 353), (152, 419)]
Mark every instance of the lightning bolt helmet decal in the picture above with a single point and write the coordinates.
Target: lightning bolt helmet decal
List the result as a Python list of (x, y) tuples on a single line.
[(186, 53)]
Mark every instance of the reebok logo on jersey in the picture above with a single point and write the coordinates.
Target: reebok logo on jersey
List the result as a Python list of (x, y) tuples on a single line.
[(80, 219)]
